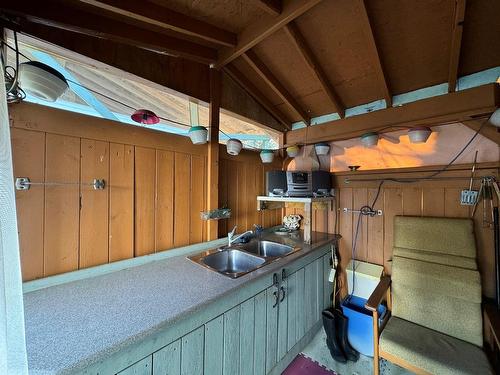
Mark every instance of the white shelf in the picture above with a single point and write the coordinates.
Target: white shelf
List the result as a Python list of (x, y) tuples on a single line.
[(294, 199), (306, 201)]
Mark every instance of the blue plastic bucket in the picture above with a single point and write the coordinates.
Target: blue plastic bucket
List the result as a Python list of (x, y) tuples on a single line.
[(360, 324)]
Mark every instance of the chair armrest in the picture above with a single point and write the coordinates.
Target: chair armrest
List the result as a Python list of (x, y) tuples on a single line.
[(378, 294)]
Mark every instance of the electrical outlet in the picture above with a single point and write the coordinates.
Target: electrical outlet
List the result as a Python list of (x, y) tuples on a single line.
[(331, 277)]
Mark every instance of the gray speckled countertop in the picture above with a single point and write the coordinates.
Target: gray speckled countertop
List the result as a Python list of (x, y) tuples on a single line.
[(73, 325)]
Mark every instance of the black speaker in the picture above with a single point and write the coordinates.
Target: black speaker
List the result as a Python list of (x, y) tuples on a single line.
[(276, 183), (321, 182)]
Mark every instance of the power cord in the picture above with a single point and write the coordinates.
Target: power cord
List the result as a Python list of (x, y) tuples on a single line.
[(363, 211)]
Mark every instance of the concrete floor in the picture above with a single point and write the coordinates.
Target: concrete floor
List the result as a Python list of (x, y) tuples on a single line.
[(318, 351)]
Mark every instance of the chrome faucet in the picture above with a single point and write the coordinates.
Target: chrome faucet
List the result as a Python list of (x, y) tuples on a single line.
[(231, 238)]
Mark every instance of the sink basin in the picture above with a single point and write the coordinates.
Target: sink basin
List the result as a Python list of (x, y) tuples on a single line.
[(267, 248), (232, 262)]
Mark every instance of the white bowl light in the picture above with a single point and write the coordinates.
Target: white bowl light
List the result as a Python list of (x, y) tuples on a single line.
[(495, 118), (267, 156), (369, 139), (234, 146), (322, 148), (419, 134), (42, 81), (293, 151), (198, 135)]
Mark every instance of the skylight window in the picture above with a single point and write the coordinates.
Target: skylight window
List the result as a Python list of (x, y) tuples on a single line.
[(103, 91)]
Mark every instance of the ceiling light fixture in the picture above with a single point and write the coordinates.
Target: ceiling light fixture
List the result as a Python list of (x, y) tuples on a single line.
[(322, 148), (267, 156), (495, 118), (419, 134), (234, 146), (146, 117), (198, 135), (42, 81), (292, 151), (369, 139)]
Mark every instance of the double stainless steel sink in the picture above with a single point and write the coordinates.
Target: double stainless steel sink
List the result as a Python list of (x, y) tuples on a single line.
[(238, 259)]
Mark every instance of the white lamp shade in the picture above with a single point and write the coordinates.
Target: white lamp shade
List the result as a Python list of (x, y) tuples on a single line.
[(419, 135), (267, 156), (41, 81), (495, 118), (198, 135), (292, 151), (322, 148), (234, 146), (369, 139)]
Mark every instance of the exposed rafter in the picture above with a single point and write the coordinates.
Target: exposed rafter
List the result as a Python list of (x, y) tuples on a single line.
[(273, 7), (455, 107), (249, 87), (313, 63), (258, 31), (365, 24), (263, 71), (49, 13), (489, 131), (456, 43), (165, 18)]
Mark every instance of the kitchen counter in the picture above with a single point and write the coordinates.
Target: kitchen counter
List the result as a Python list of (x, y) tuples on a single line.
[(74, 325)]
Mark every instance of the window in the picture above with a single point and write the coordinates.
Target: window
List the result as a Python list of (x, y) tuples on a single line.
[(99, 90)]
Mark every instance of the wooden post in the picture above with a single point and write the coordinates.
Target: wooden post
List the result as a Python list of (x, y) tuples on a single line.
[(213, 152), (307, 222)]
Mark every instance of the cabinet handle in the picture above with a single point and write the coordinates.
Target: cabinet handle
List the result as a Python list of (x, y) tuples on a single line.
[(275, 280), (283, 274), (276, 296), (282, 289)]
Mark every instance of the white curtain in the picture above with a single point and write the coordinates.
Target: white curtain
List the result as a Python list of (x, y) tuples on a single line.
[(13, 359)]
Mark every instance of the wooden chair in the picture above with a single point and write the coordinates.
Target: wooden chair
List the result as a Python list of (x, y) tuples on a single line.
[(434, 298)]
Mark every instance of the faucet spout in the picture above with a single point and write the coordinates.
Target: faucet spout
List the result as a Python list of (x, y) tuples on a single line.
[(230, 236)]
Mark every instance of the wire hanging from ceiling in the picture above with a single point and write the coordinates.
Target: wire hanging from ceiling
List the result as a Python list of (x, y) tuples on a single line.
[(19, 53)]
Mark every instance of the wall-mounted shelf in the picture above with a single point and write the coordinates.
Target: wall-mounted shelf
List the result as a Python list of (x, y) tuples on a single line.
[(267, 203)]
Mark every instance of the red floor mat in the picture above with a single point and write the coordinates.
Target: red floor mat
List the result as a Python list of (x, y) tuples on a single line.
[(304, 366)]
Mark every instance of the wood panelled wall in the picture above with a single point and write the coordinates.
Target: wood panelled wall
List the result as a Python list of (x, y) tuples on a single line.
[(155, 190), (241, 180), (425, 198)]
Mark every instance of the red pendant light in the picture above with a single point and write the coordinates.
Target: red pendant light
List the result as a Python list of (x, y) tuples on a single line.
[(146, 117)]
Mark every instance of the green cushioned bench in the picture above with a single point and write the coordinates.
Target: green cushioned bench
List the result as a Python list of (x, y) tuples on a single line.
[(436, 324)]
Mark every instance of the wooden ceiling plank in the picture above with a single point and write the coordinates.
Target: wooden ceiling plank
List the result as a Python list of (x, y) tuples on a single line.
[(456, 43), (273, 7), (263, 71), (489, 131), (313, 63), (258, 31), (366, 26), (453, 107), (249, 87), (168, 19), (105, 28)]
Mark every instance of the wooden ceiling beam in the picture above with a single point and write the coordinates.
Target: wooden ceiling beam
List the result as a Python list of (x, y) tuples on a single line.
[(263, 71), (258, 31), (273, 7), (313, 63), (255, 93), (489, 131), (456, 43), (453, 107), (160, 16), (364, 19), (49, 13)]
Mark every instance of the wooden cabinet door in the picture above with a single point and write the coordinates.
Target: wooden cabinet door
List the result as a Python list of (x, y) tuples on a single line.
[(272, 298), (283, 319)]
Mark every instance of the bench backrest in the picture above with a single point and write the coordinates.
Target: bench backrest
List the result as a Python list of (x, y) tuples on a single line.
[(435, 281)]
